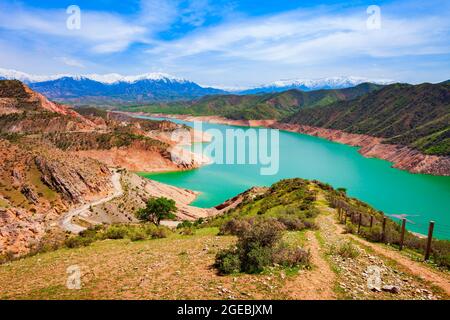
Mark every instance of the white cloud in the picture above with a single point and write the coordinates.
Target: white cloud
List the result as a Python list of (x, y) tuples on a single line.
[(101, 32), (237, 50), (71, 62), (302, 37)]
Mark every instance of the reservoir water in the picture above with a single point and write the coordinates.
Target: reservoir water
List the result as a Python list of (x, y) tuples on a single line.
[(421, 197)]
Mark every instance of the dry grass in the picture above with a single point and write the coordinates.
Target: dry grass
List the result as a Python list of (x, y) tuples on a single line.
[(178, 267)]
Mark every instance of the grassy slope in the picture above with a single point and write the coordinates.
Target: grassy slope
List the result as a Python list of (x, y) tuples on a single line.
[(417, 116), (264, 106), (180, 266)]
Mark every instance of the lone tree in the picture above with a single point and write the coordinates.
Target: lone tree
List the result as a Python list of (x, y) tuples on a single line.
[(157, 209)]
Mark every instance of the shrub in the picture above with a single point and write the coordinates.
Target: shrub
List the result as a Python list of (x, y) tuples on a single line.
[(255, 257), (185, 224), (292, 223), (78, 241), (373, 235), (441, 253), (259, 245), (157, 232), (115, 232), (291, 257), (349, 228), (348, 250), (228, 262), (187, 231), (235, 227), (264, 233), (310, 225), (137, 234)]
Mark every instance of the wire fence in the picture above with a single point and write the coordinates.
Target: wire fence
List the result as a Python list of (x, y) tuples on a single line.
[(377, 227)]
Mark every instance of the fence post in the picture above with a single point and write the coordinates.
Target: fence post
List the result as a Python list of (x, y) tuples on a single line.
[(402, 236), (339, 213), (383, 234), (430, 238), (371, 221), (359, 222), (345, 219)]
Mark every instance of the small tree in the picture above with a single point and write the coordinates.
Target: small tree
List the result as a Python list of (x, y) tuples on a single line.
[(157, 209)]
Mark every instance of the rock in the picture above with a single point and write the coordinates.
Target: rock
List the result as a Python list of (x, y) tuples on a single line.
[(391, 289), (29, 193)]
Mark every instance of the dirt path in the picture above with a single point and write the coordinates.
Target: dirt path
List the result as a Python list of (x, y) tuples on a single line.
[(416, 268), (408, 265), (316, 284), (66, 221)]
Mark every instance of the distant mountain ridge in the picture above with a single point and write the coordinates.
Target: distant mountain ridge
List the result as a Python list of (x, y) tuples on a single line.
[(111, 88), (314, 84), (155, 87)]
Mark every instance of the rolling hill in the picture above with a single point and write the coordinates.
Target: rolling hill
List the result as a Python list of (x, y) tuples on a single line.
[(255, 107), (417, 116)]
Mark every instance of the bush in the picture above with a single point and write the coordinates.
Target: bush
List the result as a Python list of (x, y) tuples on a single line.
[(349, 228), (264, 233), (187, 231), (348, 250), (185, 224), (256, 257), (292, 223), (156, 232), (115, 232), (77, 242), (291, 257), (441, 253), (373, 235), (228, 262), (259, 245), (137, 234), (235, 227)]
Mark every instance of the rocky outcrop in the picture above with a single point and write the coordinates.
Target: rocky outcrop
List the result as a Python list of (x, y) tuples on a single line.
[(19, 231), (75, 183), (37, 185)]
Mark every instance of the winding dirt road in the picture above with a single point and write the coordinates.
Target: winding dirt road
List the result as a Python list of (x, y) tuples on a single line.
[(66, 221)]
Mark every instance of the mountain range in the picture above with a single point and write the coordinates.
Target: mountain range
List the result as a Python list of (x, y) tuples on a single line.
[(314, 84), (417, 116), (276, 105), (154, 87)]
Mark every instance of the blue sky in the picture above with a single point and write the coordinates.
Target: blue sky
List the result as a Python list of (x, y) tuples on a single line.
[(229, 43)]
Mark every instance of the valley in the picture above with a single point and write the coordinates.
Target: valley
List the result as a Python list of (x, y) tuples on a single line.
[(70, 193)]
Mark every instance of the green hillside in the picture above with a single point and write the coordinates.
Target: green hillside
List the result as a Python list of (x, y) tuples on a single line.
[(253, 107), (417, 116)]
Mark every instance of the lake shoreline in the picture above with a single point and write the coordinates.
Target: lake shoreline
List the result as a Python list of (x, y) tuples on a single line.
[(402, 157)]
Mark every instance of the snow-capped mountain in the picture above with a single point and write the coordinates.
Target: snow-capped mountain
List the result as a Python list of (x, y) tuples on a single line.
[(113, 87), (150, 87), (314, 84), (109, 78)]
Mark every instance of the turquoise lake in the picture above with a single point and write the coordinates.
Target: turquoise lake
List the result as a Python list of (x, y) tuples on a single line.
[(421, 197)]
